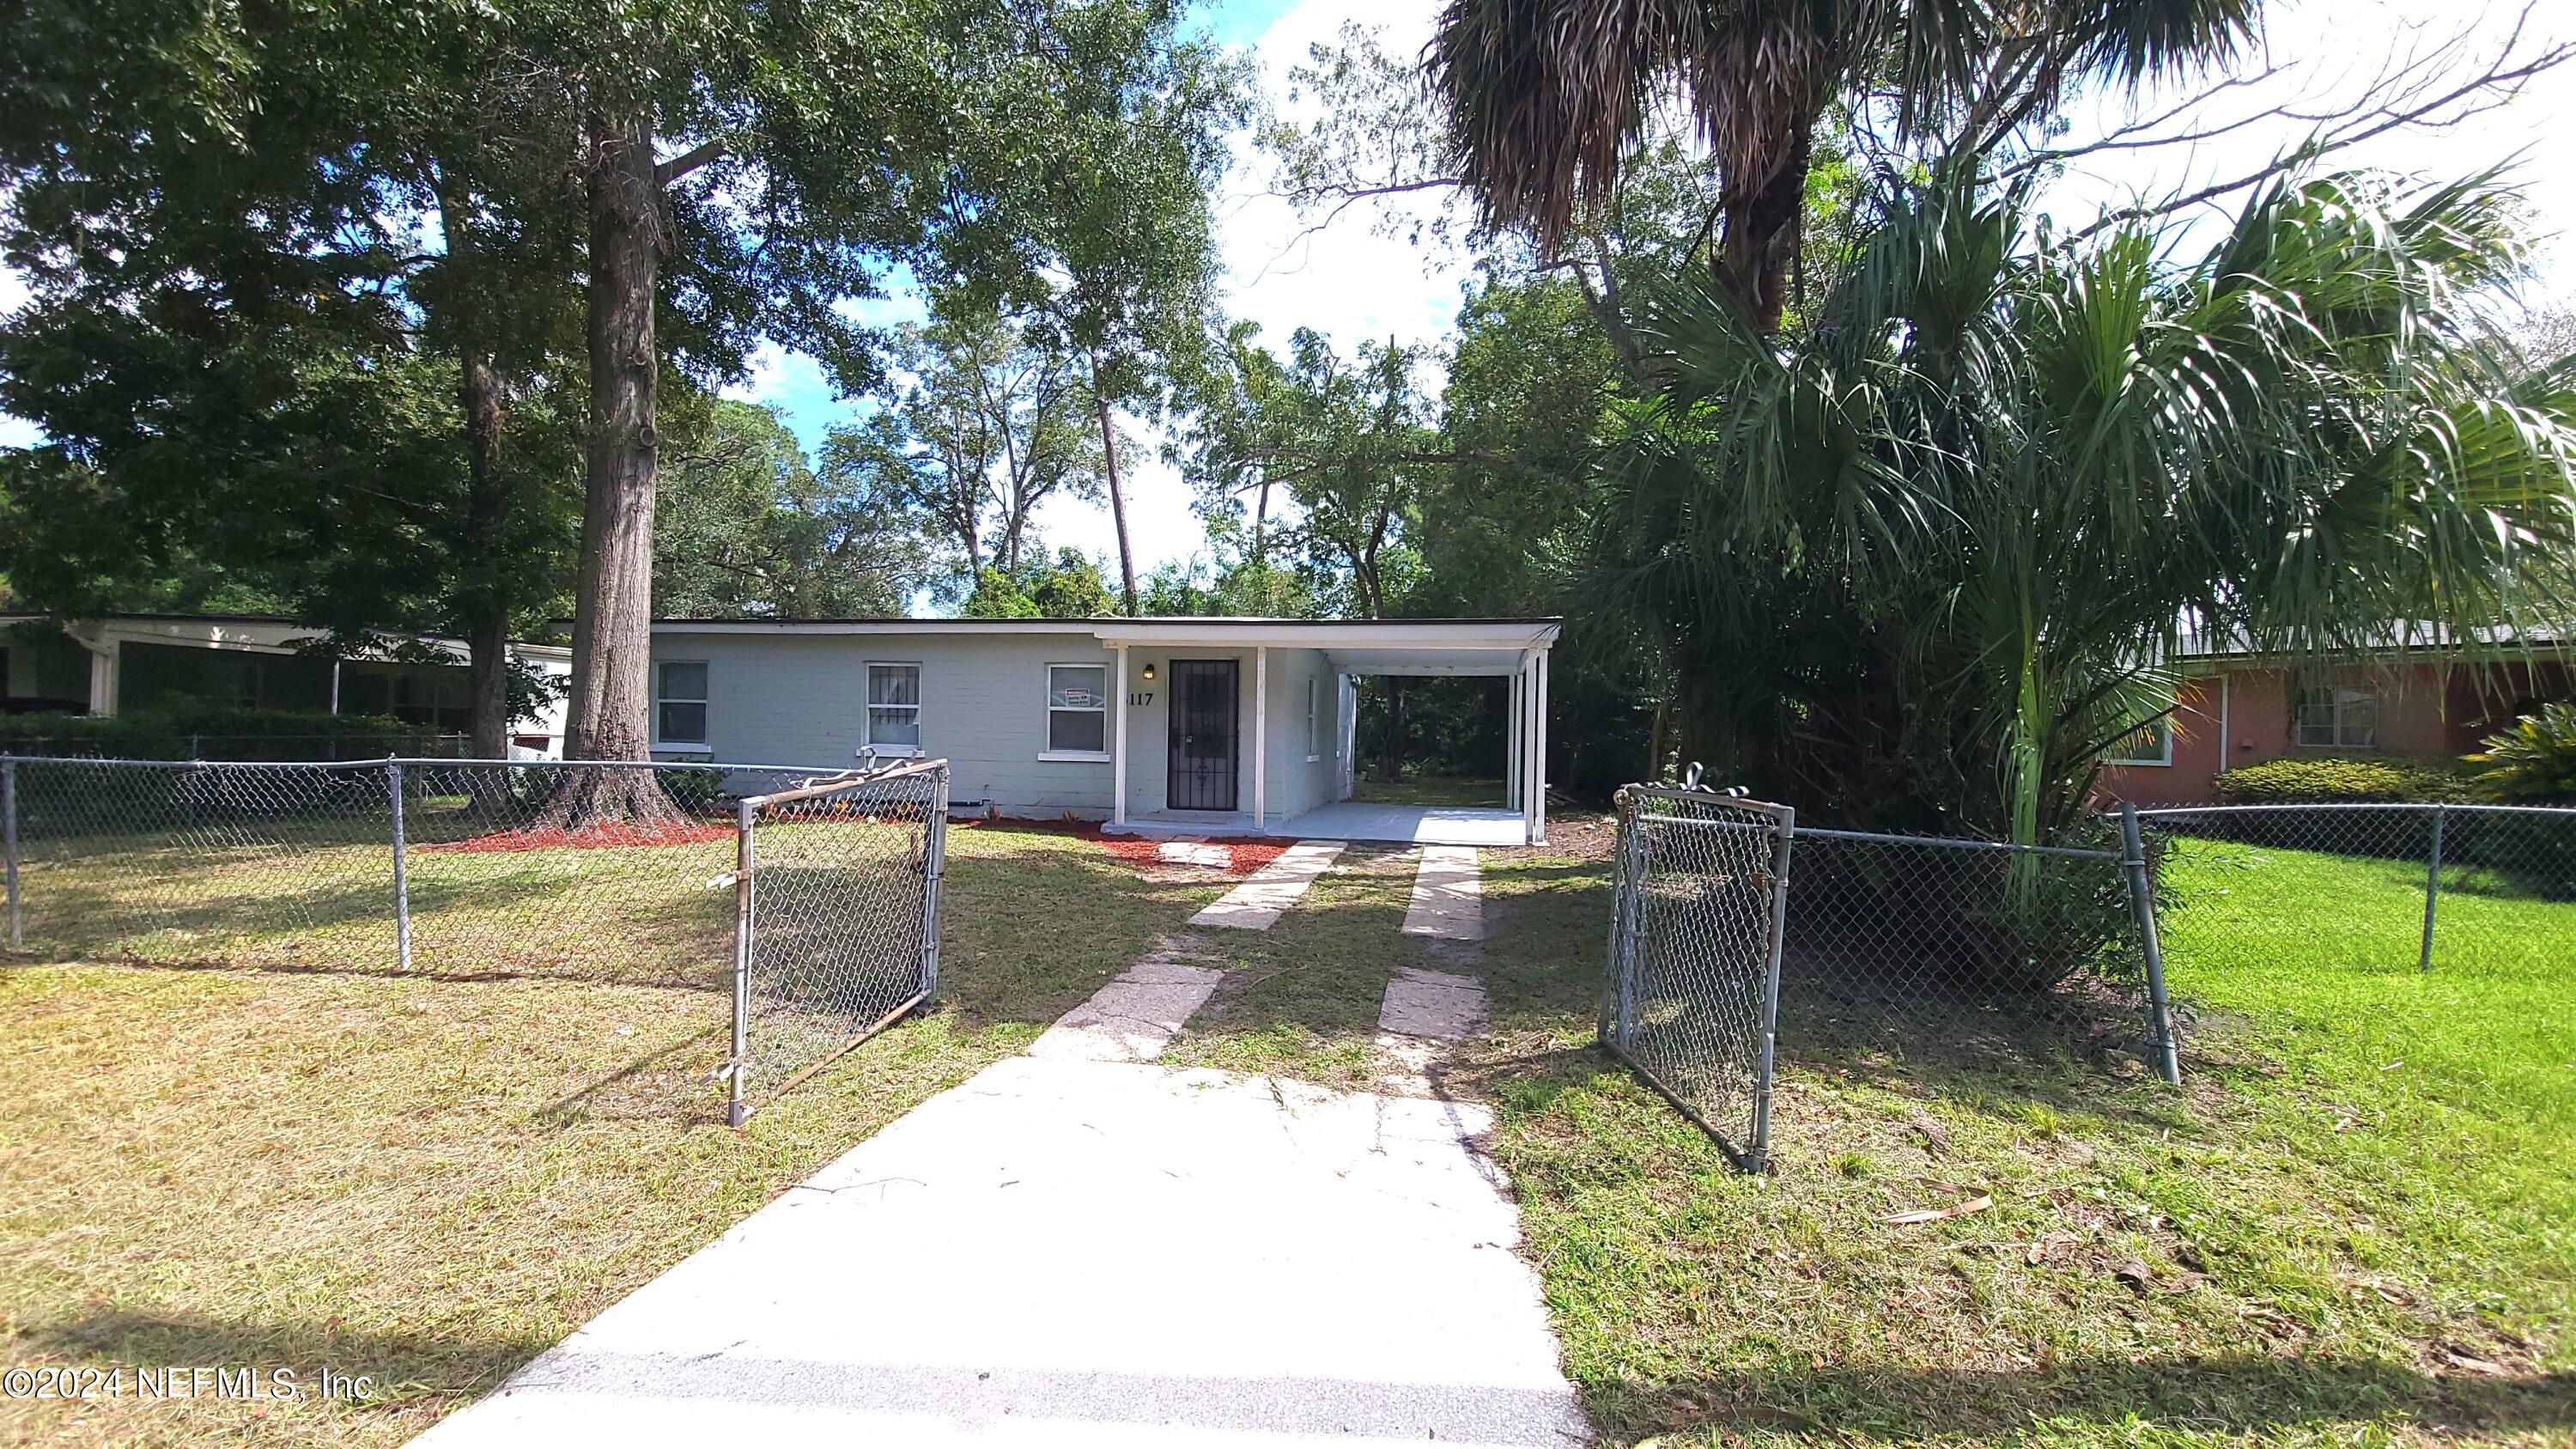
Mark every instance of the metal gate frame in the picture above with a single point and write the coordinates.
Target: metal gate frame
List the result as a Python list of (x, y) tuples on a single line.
[(1670, 807), (931, 863)]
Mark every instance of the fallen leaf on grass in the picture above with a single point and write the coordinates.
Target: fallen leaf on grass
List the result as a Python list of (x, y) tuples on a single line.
[(1977, 1204), (2134, 1273)]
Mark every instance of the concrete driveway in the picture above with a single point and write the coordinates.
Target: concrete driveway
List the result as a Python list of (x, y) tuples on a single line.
[(1074, 1252)]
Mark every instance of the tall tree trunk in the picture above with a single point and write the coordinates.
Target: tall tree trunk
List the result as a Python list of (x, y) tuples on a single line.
[(1117, 500), (1765, 220), (486, 584), (612, 635), (486, 605), (1261, 517)]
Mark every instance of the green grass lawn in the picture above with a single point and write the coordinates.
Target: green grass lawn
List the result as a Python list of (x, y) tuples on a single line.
[(427, 1178), (2353, 1226), (1469, 791)]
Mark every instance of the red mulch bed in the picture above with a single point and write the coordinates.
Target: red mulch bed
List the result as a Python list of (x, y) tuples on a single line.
[(607, 835), (1243, 856)]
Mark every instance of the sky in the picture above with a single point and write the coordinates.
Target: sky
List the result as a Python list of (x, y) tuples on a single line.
[(1352, 281)]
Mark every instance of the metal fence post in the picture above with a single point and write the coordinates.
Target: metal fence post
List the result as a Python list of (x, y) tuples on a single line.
[(9, 843), (1757, 1156), (1633, 855), (934, 858), (1615, 947), (2432, 887), (2142, 900), (402, 883), (735, 1111)]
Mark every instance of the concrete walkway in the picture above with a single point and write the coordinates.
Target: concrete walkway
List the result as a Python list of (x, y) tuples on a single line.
[(1448, 896), (1134, 1017), (1255, 905), (1072, 1250)]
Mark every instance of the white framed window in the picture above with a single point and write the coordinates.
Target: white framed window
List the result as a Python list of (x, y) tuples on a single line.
[(2151, 745), (893, 725), (680, 704), (1314, 747), (2338, 717), (1077, 712)]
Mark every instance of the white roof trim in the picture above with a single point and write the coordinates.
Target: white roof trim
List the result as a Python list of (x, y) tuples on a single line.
[(873, 626), (1216, 633), (1512, 634)]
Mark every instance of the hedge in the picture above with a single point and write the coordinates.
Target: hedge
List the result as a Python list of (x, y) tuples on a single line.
[(2343, 780)]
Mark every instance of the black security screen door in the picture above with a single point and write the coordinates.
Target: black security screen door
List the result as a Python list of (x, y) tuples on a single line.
[(1203, 734)]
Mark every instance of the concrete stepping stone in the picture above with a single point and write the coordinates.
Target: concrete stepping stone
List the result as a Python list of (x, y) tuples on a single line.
[(1421, 1013), (1448, 895), (1133, 1018), (1433, 1004), (1255, 905)]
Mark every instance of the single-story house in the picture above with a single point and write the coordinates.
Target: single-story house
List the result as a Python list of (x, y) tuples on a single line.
[(1165, 726), (125, 662), (2237, 706)]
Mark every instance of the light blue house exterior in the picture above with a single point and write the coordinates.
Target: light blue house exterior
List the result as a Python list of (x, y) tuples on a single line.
[(1157, 726)]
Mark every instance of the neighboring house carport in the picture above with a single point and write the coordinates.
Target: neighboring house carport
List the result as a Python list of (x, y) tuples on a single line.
[(1512, 649)]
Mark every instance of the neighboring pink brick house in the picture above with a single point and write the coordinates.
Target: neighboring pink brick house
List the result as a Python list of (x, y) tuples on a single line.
[(2235, 710)]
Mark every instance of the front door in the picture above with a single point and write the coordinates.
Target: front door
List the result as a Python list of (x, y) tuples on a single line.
[(1202, 751)]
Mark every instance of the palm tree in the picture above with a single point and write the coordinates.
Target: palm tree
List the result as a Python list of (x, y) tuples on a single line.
[(1547, 98), (2003, 477)]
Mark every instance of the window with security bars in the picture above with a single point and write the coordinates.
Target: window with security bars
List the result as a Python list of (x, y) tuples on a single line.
[(2338, 717), (680, 711), (894, 707), (1078, 710)]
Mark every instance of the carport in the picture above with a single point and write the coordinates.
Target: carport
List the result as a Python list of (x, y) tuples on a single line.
[(1296, 789)]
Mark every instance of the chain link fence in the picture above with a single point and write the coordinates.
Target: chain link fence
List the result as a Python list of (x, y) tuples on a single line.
[(2475, 887), (837, 902), (1695, 935), (1737, 936), (487, 870), (1952, 952), (1941, 956)]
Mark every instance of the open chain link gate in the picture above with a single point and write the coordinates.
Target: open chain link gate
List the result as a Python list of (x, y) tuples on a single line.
[(1693, 998), (836, 929)]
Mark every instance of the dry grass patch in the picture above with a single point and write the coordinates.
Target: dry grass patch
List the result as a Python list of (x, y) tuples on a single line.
[(426, 1179)]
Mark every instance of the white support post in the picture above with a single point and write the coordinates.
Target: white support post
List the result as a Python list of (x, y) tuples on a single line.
[(1118, 769), (1260, 732), (102, 680), (1347, 717), (335, 684), (1538, 773), (1521, 770), (1512, 751)]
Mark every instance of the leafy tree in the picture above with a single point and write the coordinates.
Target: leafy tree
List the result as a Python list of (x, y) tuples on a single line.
[(1546, 100), (1238, 586), (1945, 536), (1350, 441), (744, 529), (1131, 288), (992, 420), (1068, 588), (182, 178)]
